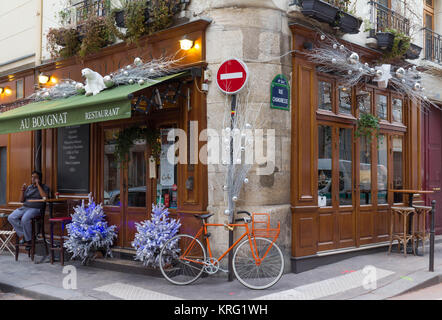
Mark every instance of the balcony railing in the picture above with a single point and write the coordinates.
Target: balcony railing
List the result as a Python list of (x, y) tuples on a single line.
[(79, 12), (383, 18), (432, 45)]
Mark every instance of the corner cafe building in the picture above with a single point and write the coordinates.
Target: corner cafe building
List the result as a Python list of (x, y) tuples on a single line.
[(72, 140)]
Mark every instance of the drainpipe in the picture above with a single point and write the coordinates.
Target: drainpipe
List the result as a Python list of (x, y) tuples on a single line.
[(38, 58)]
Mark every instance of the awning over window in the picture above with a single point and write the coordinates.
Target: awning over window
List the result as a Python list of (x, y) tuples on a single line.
[(110, 104)]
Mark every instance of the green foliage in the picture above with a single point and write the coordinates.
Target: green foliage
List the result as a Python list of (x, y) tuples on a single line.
[(400, 46), (63, 42), (96, 36), (126, 138), (366, 126)]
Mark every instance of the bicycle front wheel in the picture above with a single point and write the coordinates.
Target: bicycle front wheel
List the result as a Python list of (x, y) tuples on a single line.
[(258, 275), (187, 264)]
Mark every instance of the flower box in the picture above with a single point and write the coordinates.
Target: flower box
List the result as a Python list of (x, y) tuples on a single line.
[(119, 18), (320, 10), (385, 40), (348, 23), (413, 52)]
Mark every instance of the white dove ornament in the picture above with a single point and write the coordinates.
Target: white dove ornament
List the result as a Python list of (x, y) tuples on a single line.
[(94, 82)]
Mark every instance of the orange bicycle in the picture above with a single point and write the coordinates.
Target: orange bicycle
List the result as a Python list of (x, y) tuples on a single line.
[(258, 262)]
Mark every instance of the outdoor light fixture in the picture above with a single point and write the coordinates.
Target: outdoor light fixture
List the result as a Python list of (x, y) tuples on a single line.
[(186, 44), (43, 79), (53, 80), (1, 90), (7, 91)]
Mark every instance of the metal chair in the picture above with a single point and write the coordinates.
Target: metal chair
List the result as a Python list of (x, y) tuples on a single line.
[(6, 236)]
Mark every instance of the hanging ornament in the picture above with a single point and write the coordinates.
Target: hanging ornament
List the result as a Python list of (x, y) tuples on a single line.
[(333, 60), (354, 58), (125, 73), (128, 67), (414, 68), (341, 47), (400, 73), (108, 82), (243, 149), (246, 181), (361, 70), (138, 62), (227, 212), (379, 73), (46, 95), (225, 188), (131, 81), (234, 198), (335, 46), (238, 161), (403, 81), (366, 64), (141, 82), (416, 86), (228, 129), (422, 89), (371, 70), (349, 71)]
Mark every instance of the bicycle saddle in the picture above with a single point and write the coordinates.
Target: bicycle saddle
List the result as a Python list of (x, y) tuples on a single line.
[(203, 216)]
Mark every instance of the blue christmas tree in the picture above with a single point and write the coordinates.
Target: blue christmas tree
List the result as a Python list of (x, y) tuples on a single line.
[(152, 235), (89, 232)]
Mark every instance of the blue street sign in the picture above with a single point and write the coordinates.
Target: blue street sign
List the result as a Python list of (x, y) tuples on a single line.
[(280, 93)]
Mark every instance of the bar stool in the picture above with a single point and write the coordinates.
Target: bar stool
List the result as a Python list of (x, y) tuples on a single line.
[(421, 233), (401, 237), (64, 221)]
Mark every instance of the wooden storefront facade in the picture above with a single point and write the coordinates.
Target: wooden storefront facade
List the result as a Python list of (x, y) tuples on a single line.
[(127, 192), (352, 175)]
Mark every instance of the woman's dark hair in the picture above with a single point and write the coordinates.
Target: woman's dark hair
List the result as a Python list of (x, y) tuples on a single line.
[(37, 173)]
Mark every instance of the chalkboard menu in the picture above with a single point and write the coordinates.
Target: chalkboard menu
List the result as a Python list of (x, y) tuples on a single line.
[(73, 159)]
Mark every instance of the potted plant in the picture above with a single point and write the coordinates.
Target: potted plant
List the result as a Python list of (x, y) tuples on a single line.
[(95, 35), (385, 40), (320, 10), (63, 42), (367, 125), (401, 43), (413, 52), (348, 23)]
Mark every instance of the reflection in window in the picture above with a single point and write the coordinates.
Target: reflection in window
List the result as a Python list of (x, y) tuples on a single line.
[(398, 163), (365, 170), (381, 106), (382, 174), (111, 179), (136, 174), (325, 163), (397, 110), (167, 192), (345, 100), (345, 166), (363, 100), (324, 95)]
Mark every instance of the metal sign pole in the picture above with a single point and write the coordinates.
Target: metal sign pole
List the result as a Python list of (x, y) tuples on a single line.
[(433, 212), (231, 206)]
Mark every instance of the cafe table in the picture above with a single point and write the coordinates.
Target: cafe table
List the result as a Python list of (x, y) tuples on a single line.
[(411, 194)]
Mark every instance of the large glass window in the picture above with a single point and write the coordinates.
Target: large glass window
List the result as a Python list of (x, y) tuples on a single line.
[(382, 174), (398, 167), (111, 183), (325, 163), (363, 100), (167, 192), (136, 175), (381, 107), (345, 100), (397, 110), (324, 95), (365, 170), (345, 166)]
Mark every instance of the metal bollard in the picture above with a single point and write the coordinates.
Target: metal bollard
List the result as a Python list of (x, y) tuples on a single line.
[(433, 212)]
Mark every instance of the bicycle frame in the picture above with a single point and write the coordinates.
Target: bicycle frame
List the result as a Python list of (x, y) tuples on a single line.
[(203, 230)]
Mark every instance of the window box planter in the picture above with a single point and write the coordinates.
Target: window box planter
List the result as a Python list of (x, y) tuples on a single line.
[(348, 23), (413, 52), (385, 40), (119, 18), (320, 10)]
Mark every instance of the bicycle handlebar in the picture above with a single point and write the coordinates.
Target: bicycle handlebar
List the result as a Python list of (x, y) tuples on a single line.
[(246, 212)]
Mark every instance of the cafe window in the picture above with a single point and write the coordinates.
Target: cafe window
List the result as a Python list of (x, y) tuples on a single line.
[(365, 170), (345, 166), (345, 100), (398, 167), (363, 99), (111, 188), (397, 110), (381, 107), (382, 174), (136, 174), (325, 95), (167, 191), (325, 163), (19, 89), (3, 174)]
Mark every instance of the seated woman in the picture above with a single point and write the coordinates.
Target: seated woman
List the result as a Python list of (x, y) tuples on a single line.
[(21, 218)]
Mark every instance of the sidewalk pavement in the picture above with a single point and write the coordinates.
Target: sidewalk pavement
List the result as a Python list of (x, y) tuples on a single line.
[(394, 274)]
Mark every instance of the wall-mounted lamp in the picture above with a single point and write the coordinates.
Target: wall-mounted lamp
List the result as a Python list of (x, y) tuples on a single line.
[(7, 91), (1, 90), (186, 44), (53, 80), (43, 79)]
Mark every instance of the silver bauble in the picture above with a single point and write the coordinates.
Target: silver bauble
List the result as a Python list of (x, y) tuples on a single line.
[(131, 81), (354, 58), (372, 70), (403, 81), (238, 161), (228, 129), (322, 37), (366, 64), (227, 212), (417, 86), (349, 71), (128, 67), (125, 73), (225, 188), (108, 82), (335, 46), (379, 73), (341, 47), (246, 181), (333, 60), (141, 82), (138, 62), (234, 198), (400, 73), (360, 70)]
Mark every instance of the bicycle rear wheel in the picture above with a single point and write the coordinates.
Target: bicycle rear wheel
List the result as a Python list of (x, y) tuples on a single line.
[(258, 276), (188, 265)]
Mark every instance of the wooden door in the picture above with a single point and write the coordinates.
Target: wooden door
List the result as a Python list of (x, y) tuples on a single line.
[(432, 169)]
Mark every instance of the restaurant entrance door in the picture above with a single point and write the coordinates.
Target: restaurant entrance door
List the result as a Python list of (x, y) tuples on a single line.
[(126, 191)]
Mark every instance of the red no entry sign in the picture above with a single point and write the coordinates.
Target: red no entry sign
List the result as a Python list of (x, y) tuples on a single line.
[(232, 76)]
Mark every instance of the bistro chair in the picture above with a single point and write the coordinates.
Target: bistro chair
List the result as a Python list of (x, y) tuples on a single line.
[(421, 227), (402, 236), (38, 227), (6, 235)]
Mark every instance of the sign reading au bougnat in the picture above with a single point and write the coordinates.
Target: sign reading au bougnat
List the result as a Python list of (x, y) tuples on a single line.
[(280, 93)]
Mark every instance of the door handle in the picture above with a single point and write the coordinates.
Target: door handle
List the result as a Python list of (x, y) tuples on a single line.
[(436, 189)]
